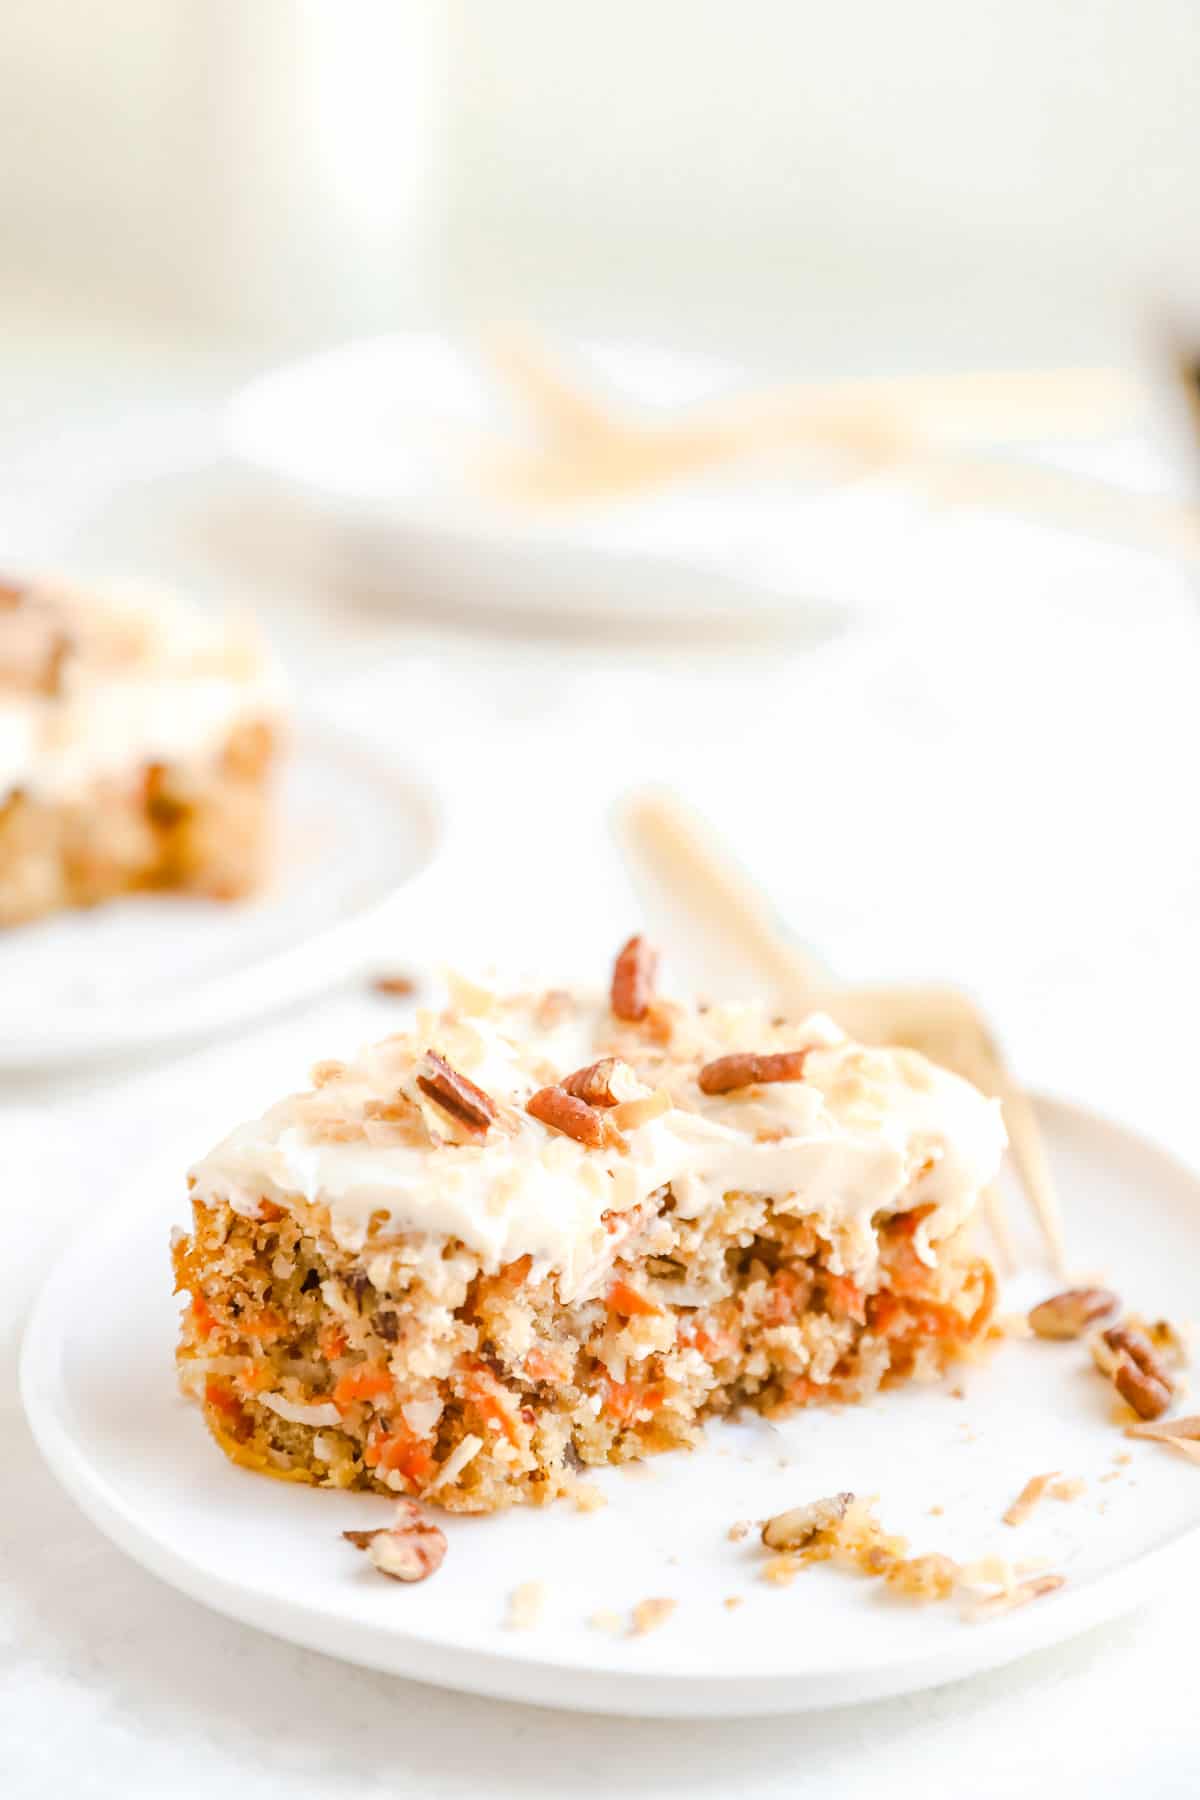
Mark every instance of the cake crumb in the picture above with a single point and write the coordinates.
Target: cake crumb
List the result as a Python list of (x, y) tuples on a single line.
[(525, 1605), (935, 1512), (852, 1538), (1123, 1457), (732, 1601), (738, 1530), (648, 1615), (587, 1497), (781, 1571), (1038, 1488), (608, 1621)]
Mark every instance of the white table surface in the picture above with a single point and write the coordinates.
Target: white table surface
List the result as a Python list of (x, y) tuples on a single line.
[(997, 788)]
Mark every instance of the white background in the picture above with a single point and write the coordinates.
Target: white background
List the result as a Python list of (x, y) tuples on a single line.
[(863, 181)]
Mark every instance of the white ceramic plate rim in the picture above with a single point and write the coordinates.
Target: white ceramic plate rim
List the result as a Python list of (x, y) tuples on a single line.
[(602, 1684), (253, 437), (278, 979)]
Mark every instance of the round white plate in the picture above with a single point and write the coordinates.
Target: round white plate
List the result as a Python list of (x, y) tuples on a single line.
[(356, 841), (382, 435), (98, 1389)]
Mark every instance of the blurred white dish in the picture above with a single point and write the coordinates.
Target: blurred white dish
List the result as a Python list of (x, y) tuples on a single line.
[(356, 841), (99, 1391), (381, 435)]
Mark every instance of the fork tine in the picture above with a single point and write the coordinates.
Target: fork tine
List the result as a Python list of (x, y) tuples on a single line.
[(659, 830), (1029, 1154)]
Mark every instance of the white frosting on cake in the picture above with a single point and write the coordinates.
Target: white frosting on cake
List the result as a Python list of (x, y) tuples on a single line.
[(866, 1133), (142, 679)]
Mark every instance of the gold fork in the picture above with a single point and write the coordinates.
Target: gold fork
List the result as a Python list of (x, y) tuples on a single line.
[(659, 835)]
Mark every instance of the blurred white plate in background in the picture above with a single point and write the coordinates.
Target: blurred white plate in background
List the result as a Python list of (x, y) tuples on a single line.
[(356, 842), (99, 1391), (384, 436)]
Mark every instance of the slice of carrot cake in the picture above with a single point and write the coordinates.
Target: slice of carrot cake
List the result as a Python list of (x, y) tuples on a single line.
[(547, 1230), (136, 741)]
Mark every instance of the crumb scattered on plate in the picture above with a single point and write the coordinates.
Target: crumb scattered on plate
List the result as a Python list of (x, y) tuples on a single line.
[(606, 1620), (1051, 1486), (648, 1615), (525, 1605), (845, 1530)]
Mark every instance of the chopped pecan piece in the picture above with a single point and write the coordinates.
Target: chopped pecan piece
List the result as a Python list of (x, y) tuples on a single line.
[(1148, 1397), (1068, 1315), (561, 1111), (1139, 1376), (793, 1529), (599, 1084), (465, 1102), (633, 979), (745, 1069), (411, 1549)]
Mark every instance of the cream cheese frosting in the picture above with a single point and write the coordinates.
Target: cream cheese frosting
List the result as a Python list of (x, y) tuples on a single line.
[(94, 684), (866, 1133)]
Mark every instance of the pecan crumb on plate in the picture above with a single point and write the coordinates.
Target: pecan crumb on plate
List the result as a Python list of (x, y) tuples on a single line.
[(854, 1539), (410, 1549), (1068, 1315), (1137, 1371)]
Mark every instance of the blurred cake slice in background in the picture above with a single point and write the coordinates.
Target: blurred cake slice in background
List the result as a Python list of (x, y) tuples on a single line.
[(137, 738)]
